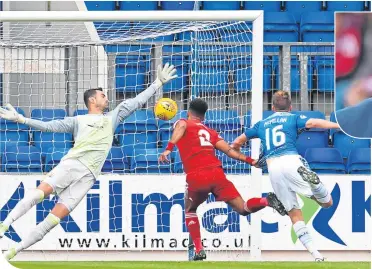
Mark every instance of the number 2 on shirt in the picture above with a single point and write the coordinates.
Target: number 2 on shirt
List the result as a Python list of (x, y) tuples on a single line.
[(277, 136), (204, 137)]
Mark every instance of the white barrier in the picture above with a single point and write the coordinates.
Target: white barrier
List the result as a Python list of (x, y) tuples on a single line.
[(144, 212)]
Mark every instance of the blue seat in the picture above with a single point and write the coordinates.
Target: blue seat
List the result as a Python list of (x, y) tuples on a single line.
[(221, 5), (16, 138), (359, 161), (177, 5), (229, 135), (140, 121), (177, 166), (210, 75), (116, 161), (131, 73), (54, 157), (221, 120), (273, 6), (317, 27), (345, 143), (80, 112), (139, 140), (297, 8), (280, 27), (145, 161), (44, 141), (325, 68), (310, 139), (48, 114), (179, 84), (242, 74), (138, 5), (6, 125), (345, 5), (22, 159), (232, 166), (325, 160), (100, 5)]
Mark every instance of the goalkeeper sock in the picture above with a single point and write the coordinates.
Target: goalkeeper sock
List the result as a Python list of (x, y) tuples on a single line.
[(255, 204), (32, 198), (304, 236), (38, 233), (321, 193), (193, 226)]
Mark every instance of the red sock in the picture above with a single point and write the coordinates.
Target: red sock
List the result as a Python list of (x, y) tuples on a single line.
[(256, 204), (193, 226)]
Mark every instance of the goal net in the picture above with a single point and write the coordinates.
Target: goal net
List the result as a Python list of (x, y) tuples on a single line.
[(137, 204)]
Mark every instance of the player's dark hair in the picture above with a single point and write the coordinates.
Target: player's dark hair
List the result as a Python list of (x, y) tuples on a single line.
[(198, 107), (90, 93), (282, 101)]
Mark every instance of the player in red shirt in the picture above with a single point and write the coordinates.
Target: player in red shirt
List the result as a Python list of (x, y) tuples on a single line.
[(204, 172)]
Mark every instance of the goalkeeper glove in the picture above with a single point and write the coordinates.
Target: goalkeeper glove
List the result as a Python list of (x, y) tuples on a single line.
[(165, 75), (11, 114)]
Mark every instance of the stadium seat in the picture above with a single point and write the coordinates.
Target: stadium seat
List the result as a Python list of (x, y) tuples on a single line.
[(359, 161), (325, 73), (221, 120), (44, 141), (179, 84), (100, 5), (315, 114), (221, 5), (280, 27), (116, 161), (242, 74), (177, 5), (16, 138), (230, 135), (48, 114), (345, 143), (6, 125), (297, 8), (140, 121), (54, 157), (177, 166), (145, 161), (131, 73), (317, 27), (80, 112), (138, 5), (232, 166), (310, 139), (325, 160), (21, 159), (210, 75), (345, 5), (138, 140), (271, 6)]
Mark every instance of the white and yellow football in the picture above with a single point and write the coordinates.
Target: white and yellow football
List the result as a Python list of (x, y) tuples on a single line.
[(165, 109)]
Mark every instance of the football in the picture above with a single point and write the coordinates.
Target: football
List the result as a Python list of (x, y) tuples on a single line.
[(165, 109)]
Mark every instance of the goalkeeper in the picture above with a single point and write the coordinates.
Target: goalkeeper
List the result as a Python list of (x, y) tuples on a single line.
[(77, 172)]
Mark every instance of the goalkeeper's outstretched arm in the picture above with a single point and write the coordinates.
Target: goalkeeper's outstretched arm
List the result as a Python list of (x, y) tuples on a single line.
[(127, 107), (66, 125)]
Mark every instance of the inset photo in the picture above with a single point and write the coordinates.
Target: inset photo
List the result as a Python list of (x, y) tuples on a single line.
[(353, 93)]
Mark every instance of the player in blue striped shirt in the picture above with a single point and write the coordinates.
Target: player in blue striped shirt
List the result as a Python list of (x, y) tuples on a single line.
[(288, 171)]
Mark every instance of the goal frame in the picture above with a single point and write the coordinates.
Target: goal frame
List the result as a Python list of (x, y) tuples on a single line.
[(256, 16)]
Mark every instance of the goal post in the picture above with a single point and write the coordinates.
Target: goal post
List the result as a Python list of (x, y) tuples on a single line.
[(90, 44)]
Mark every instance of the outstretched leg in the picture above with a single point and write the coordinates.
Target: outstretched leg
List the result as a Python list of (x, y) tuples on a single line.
[(32, 198), (303, 233), (59, 212)]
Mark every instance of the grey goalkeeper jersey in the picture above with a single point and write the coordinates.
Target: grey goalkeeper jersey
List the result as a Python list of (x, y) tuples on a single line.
[(93, 133)]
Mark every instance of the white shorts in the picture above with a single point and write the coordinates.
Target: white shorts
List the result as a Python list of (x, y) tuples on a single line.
[(286, 181), (70, 180)]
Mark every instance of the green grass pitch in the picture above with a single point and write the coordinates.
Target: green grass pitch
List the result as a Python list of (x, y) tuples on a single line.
[(190, 265)]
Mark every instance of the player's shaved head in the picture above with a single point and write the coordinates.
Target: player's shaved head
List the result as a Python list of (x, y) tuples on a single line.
[(90, 93), (198, 107), (282, 101)]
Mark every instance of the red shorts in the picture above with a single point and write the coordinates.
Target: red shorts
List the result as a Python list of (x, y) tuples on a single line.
[(209, 180)]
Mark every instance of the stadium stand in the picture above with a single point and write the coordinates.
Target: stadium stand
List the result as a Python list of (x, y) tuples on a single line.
[(177, 5), (21, 159), (359, 161), (325, 160)]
